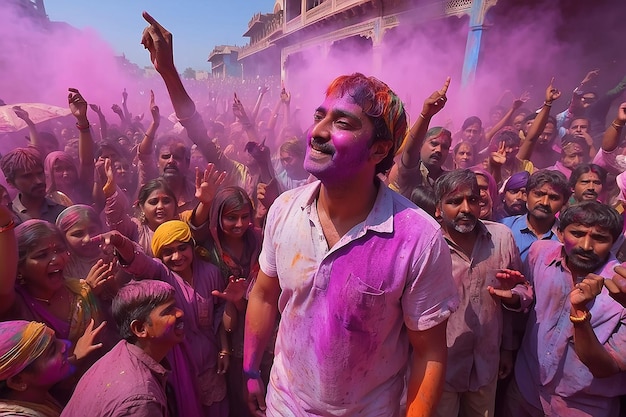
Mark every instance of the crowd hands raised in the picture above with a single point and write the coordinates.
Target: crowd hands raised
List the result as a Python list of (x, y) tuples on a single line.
[(134, 282)]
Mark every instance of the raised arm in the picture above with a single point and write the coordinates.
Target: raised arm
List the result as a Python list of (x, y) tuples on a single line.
[(506, 119), (586, 344), (32, 130), (535, 130), (102, 121), (207, 184), (145, 151), (242, 116), (612, 134), (158, 41), (255, 111), (413, 142), (8, 259), (78, 107)]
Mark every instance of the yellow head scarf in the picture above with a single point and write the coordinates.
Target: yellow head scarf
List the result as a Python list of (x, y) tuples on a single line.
[(21, 343), (169, 232)]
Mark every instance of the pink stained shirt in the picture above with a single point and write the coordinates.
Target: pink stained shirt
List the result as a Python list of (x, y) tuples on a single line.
[(342, 345), (548, 372), (480, 328)]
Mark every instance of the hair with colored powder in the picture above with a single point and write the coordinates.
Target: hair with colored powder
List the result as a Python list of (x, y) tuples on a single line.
[(584, 169), (76, 214), (135, 301), (25, 159), (48, 167), (381, 104), (555, 179), (30, 233), (453, 180), (590, 214)]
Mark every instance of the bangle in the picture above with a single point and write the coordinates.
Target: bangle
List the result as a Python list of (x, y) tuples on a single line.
[(585, 317), (224, 353), (9, 226), (545, 103), (422, 116), (252, 374), (617, 126), (86, 127)]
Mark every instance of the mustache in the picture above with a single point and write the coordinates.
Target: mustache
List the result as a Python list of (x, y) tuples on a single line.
[(465, 216), (322, 146), (593, 258)]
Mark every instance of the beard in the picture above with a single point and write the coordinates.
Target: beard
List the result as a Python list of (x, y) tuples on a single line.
[(589, 263)]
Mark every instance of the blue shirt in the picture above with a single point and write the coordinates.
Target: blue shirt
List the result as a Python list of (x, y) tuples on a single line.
[(524, 237)]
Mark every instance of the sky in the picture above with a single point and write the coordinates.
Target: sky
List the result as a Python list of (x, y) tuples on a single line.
[(197, 25)]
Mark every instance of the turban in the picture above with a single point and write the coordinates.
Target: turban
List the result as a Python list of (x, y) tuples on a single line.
[(21, 343), (516, 181), (169, 232)]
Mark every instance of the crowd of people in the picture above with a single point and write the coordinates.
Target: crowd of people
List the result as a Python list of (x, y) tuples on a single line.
[(238, 265)]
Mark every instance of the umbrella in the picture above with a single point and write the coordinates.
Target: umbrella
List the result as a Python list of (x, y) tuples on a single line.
[(38, 112)]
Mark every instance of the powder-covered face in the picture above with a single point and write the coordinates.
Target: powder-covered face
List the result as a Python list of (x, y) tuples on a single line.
[(586, 247), (459, 209), (79, 236), (165, 325), (44, 264), (339, 141), (588, 187), (158, 208), (64, 174), (53, 365), (236, 222), (435, 149), (464, 156)]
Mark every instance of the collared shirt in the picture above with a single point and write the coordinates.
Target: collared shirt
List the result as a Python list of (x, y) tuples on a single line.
[(524, 237), (547, 367), (125, 382), (342, 344), (49, 210), (475, 331)]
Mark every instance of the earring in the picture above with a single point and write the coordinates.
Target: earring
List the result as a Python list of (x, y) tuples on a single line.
[(20, 279), (142, 217)]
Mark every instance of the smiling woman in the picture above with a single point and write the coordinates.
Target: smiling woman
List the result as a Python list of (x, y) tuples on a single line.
[(200, 362), (33, 288)]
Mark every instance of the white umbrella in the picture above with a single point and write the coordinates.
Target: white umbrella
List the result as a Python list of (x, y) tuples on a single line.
[(38, 112)]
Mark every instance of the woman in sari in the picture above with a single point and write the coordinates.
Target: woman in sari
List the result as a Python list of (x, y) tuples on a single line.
[(33, 287)]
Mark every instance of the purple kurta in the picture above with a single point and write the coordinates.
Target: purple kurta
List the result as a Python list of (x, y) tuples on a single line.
[(342, 345)]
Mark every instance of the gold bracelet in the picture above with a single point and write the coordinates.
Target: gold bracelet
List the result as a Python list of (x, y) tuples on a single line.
[(617, 126), (545, 103), (422, 116), (586, 317), (224, 353)]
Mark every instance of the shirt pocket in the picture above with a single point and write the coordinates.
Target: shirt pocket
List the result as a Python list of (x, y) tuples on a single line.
[(362, 304)]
